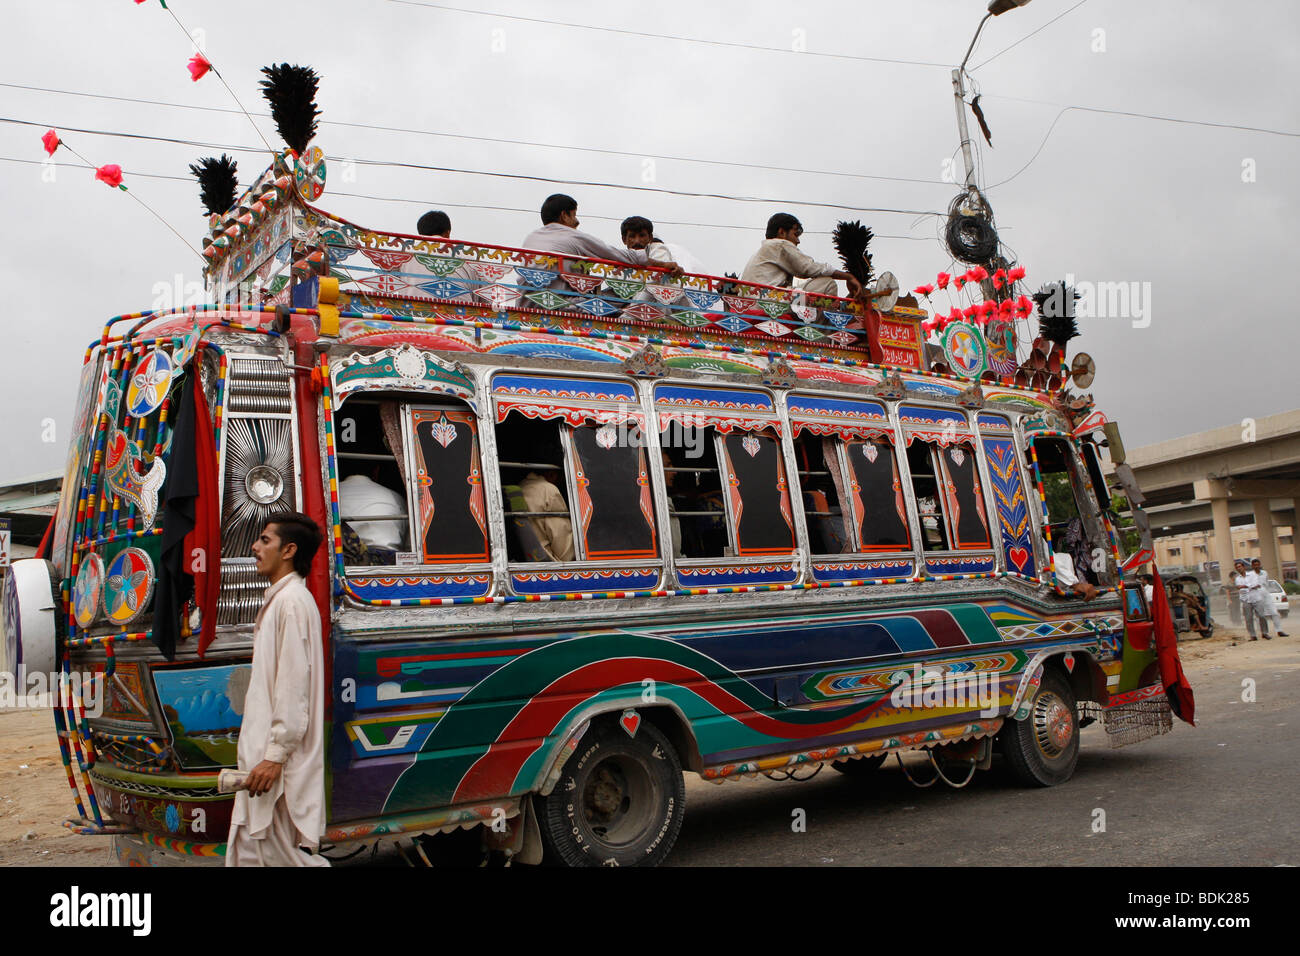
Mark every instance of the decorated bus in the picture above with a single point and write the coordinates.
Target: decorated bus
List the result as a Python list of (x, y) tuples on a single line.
[(781, 530)]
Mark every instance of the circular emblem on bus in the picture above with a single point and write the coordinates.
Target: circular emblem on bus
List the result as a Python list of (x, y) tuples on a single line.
[(965, 350), (128, 586), (149, 383), (88, 591), (309, 174)]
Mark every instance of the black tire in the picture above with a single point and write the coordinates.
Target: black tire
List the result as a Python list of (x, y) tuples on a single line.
[(860, 768), (619, 800), (1043, 749)]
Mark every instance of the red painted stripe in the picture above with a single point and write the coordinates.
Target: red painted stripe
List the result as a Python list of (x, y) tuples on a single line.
[(943, 630), (391, 666), (493, 774)]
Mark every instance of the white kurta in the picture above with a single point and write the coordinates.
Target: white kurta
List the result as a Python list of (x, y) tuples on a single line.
[(284, 721)]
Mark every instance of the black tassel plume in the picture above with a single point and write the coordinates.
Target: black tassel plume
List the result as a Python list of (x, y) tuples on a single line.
[(218, 182), (1056, 312), (852, 240), (291, 91)]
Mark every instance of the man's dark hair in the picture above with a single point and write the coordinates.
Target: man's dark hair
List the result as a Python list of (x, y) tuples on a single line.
[(294, 527), (637, 224), (782, 220), (435, 222), (555, 206)]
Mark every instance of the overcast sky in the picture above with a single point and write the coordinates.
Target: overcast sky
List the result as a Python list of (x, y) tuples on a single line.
[(1191, 218)]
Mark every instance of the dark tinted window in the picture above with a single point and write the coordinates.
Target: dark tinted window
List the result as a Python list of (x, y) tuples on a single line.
[(451, 522), (877, 496), (615, 514), (761, 502), (965, 498)]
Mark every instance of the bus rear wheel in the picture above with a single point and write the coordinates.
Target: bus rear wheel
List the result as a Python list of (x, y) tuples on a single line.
[(619, 800), (1043, 749)]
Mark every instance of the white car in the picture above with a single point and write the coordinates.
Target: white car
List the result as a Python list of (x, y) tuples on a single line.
[(1281, 600)]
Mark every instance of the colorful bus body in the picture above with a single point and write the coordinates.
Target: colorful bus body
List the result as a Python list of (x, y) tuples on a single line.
[(783, 554)]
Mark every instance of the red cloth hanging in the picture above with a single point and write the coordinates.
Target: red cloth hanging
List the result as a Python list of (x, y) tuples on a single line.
[(206, 533), (1171, 668)]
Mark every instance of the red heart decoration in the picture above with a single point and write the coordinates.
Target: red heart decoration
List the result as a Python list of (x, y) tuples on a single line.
[(1019, 557), (1069, 663), (630, 720)]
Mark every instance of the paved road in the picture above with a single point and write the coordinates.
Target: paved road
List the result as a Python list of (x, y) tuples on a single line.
[(1219, 794)]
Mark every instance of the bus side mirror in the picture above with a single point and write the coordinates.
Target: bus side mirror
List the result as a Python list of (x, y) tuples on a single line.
[(1114, 443)]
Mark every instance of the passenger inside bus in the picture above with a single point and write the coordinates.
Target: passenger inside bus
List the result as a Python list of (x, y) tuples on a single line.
[(925, 486), (1067, 531), (695, 493), (820, 481), (370, 484)]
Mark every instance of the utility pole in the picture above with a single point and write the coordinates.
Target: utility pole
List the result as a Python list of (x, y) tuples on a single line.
[(996, 8)]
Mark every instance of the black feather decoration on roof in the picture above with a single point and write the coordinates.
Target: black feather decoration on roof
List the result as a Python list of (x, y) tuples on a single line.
[(1056, 312), (291, 91), (852, 240), (218, 182)]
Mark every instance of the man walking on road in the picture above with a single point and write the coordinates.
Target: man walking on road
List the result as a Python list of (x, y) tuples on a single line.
[(282, 737), (1266, 611)]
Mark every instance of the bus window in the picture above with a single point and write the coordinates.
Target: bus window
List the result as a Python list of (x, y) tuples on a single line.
[(820, 481), (925, 487), (614, 507), (879, 509), (450, 517), (534, 488), (760, 498), (1072, 529), (697, 512), (372, 480), (964, 497)]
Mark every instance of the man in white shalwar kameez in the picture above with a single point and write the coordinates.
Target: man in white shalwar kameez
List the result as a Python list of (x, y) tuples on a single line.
[(282, 737)]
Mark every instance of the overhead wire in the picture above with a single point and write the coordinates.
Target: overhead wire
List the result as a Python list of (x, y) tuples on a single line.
[(667, 36), (490, 173), (453, 205), (1026, 36), (496, 140)]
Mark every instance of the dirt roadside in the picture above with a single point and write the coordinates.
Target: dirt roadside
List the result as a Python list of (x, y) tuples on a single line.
[(35, 797)]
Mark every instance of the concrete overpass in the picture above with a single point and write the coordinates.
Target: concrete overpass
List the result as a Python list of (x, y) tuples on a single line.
[(1239, 474)]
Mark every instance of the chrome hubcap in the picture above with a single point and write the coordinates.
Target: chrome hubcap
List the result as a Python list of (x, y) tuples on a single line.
[(1053, 724)]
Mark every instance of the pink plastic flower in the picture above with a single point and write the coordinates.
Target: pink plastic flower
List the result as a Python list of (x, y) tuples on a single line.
[(923, 289), (998, 276), (958, 282), (978, 274), (198, 67), (50, 141), (1016, 273), (110, 174), (942, 279), (988, 307)]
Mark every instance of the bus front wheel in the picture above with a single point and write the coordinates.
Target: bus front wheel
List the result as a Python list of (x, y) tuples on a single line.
[(619, 800), (1043, 749)]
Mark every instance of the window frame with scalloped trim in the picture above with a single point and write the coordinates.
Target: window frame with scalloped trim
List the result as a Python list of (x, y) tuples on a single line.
[(582, 427)]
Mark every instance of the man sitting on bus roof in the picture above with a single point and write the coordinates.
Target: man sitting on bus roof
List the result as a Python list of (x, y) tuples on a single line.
[(779, 262), (639, 233), (437, 224), (559, 233)]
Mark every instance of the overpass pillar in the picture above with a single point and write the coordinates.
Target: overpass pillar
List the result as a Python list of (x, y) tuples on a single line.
[(1268, 551), (1223, 553)]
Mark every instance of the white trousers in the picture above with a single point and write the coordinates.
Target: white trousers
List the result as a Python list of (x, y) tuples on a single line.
[(277, 845)]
